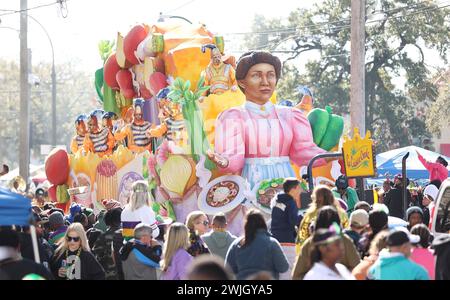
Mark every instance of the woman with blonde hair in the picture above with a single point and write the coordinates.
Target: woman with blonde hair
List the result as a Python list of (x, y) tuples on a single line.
[(176, 259), (138, 210), (73, 259), (198, 224), (321, 196), (378, 243)]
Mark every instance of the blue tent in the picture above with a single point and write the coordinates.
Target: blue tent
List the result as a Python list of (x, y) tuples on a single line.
[(15, 209), (390, 162)]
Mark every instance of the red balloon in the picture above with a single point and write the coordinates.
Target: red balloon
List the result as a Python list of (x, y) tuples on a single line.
[(57, 166), (125, 80), (52, 193), (145, 93), (130, 42), (110, 70), (158, 81)]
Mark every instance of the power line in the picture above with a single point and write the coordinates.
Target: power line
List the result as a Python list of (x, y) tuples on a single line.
[(294, 29), (62, 3), (348, 26), (180, 7)]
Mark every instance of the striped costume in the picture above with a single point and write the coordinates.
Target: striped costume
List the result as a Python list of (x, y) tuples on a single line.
[(101, 142), (138, 141), (220, 79), (77, 143)]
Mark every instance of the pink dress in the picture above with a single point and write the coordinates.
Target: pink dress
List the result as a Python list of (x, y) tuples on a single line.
[(260, 141), (425, 258)]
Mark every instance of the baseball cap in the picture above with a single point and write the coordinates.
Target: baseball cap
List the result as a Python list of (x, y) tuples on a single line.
[(400, 236), (431, 190), (342, 182), (359, 218)]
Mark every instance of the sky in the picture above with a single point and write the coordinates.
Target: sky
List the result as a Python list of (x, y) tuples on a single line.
[(76, 36), (86, 22)]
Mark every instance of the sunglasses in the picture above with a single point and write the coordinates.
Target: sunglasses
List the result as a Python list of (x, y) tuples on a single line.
[(73, 238)]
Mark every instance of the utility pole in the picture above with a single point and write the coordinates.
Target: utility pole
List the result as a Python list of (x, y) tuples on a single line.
[(53, 103), (25, 57), (357, 69)]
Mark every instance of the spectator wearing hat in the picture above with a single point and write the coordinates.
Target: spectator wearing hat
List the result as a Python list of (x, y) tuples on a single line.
[(328, 251), (438, 169), (56, 222), (430, 194), (346, 193), (12, 265), (359, 219), (74, 210), (414, 215), (327, 215), (378, 243), (441, 247), (394, 263), (285, 217), (394, 198), (421, 252)]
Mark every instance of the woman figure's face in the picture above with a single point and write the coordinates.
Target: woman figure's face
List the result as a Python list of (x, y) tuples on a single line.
[(201, 225), (73, 241), (259, 83)]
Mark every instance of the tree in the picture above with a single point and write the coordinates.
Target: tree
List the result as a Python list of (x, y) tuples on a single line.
[(75, 95), (397, 32), (438, 115)]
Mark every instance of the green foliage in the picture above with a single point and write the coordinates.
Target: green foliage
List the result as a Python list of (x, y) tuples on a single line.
[(75, 95), (181, 93), (438, 115), (105, 49), (397, 33)]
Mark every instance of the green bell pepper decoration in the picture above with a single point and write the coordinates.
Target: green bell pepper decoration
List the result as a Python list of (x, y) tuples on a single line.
[(327, 128)]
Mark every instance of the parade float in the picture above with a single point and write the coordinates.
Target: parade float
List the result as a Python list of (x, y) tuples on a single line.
[(161, 88)]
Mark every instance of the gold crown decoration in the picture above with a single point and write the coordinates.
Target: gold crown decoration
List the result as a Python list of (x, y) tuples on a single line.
[(359, 158)]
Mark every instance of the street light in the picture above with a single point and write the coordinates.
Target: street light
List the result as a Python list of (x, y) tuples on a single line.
[(162, 17), (53, 82)]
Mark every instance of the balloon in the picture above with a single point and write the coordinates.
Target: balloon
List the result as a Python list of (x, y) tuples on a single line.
[(131, 41), (158, 81), (125, 81), (110, 70), (52, 193), (57, 166)]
